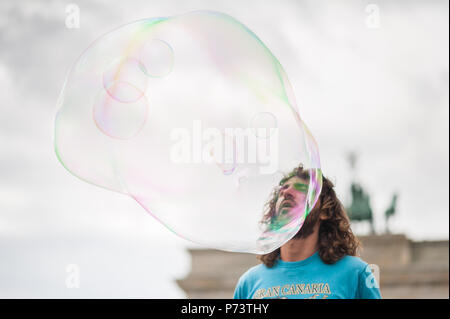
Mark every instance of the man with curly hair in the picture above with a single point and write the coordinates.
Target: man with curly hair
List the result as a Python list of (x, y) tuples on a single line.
[(319, 261)]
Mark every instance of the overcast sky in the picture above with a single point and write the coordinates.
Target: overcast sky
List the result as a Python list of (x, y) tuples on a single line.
[(378, 89)]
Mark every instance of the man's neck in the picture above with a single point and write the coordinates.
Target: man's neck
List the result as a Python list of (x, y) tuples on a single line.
[(298, 249)]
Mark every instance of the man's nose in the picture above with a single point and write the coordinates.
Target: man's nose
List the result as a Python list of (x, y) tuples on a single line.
[(287, 192)]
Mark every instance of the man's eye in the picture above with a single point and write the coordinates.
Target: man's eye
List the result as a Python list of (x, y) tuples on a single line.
[(301, 187)]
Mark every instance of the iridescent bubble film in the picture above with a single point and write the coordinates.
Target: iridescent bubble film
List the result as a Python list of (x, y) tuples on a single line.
[(194, 118)]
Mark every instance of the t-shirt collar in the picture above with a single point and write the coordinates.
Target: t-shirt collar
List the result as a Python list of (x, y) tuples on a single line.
[(300, 263)]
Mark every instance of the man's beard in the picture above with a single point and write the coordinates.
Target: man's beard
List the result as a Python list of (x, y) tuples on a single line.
[(308, 226)]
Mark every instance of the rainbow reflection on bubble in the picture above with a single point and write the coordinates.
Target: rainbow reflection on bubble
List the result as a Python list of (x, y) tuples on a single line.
[(194, 118)]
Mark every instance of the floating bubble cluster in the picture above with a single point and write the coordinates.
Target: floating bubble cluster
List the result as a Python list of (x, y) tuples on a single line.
[(194, 118)]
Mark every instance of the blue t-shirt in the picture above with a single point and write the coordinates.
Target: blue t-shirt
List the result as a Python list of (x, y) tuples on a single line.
[(348, 278)]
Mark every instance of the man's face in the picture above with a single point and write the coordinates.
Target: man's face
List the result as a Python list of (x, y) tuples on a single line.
[(292, 194)]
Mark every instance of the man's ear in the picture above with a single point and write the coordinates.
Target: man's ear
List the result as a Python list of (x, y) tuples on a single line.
[(323, 216)]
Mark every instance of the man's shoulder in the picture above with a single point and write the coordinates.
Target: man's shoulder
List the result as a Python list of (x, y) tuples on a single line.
[(353, 263), (254, 272)]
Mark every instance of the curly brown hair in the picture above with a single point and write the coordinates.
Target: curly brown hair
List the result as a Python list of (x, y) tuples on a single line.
[(336, 238)]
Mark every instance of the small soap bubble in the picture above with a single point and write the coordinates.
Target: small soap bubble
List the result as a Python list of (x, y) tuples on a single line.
[(125, 80), (117, 119)]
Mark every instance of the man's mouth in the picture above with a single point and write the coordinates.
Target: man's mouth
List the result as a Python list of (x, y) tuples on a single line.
[(287, 204)]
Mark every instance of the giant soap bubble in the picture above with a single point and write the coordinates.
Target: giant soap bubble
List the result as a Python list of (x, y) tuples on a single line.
[(194, 118)]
